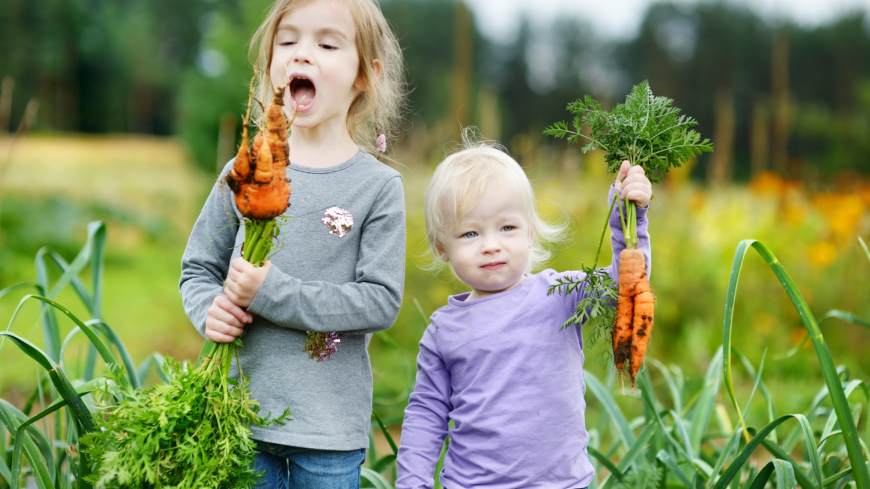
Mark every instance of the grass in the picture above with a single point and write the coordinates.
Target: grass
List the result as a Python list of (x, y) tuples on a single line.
[(673, 442)]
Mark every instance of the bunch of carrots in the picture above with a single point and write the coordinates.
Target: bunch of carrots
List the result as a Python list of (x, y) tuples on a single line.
[(201, 417), (648, 131), (261, 191)]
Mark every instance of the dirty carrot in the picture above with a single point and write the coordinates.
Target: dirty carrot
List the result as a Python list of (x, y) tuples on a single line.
[(642, 324), (632, 266), (264, 193)]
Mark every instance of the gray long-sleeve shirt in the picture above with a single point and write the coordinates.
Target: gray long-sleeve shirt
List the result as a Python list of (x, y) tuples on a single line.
[(318, 282)]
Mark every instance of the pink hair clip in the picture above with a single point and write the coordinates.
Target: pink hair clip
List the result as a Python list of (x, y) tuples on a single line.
[(382, 143)]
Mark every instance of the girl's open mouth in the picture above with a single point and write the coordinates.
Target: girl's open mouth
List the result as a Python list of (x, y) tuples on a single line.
[(302, 93)]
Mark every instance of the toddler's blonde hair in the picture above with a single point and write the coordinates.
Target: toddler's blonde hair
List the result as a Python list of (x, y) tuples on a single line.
[(461, 180), (377, 110)]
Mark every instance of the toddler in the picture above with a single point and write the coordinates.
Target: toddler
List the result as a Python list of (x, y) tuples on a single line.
[(494, 360)]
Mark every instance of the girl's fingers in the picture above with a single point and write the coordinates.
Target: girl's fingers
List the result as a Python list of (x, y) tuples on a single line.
[(230, 293), (218, 337), (227, 329), (223, 317), (218, 327), (240, 264), (240, 274), (236, 274), (236, 300), (235, 311)]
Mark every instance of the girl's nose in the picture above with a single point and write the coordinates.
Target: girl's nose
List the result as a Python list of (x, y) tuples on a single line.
[(302, 54)]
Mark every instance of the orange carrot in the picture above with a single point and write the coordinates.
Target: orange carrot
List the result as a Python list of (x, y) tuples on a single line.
[(263, 193), (631, 265), (642, 325), (622, 331), (255, 148)]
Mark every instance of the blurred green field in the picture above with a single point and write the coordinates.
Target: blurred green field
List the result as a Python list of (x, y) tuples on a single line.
[(148, 193)]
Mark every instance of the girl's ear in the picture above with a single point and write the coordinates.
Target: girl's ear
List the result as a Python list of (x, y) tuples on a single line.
[(360, 83)]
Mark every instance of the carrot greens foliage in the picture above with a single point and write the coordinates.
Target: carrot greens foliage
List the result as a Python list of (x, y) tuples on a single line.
[(193, 432), (646, 130)]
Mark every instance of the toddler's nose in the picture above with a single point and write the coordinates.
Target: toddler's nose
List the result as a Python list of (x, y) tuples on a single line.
[(491, 246)]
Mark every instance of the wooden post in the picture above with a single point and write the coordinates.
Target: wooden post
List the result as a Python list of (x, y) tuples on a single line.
[(780, 114), (226, 140), (722, 163), (759, 137), (463, 60)]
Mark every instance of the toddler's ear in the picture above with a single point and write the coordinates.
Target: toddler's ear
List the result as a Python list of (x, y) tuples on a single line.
[(442, 253)]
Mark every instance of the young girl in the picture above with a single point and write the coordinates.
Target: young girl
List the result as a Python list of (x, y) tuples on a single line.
[(494, 360), (346, 88)]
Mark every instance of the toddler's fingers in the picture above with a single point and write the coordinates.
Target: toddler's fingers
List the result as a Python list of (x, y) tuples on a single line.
[(638, 180), (623, 171), (639, 196), (637, 169), (636, 194)]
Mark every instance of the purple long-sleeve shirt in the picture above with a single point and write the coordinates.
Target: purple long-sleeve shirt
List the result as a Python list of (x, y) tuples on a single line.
[(512, 383)]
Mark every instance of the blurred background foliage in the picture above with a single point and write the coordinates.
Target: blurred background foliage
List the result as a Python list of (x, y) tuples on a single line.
[(139, 103), (784, 97)]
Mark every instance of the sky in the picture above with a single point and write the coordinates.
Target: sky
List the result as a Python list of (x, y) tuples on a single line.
[(620, 19)]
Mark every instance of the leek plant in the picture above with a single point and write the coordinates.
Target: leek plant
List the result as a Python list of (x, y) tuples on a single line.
[(683, 438)]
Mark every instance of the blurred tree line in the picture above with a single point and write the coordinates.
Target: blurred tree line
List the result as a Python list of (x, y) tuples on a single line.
[(782, 97)]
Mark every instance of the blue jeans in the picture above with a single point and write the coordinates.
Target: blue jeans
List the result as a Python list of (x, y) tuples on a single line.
[(305, 468)]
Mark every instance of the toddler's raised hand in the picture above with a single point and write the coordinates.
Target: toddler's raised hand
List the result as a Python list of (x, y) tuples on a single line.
[(633, 184), (225, 321)]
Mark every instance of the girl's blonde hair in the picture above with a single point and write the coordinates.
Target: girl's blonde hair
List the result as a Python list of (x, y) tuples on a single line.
[(377, 110), (461, 180)]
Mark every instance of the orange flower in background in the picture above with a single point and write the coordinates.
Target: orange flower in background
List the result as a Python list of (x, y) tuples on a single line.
[(843, 212), (822, 254), (798, 335), (767, 183), (864, 192)]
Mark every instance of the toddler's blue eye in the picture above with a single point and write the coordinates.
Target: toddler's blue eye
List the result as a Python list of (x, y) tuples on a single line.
[(469, 234), (508, 228)]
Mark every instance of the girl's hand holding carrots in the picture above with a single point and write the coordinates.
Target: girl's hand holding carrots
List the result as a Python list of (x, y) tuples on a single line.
[(225, 321), (244, 280), (633, 184)]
